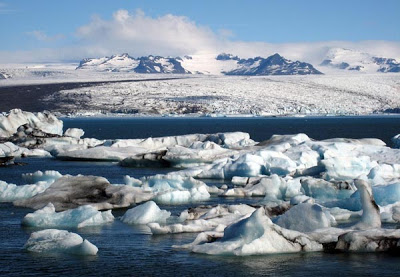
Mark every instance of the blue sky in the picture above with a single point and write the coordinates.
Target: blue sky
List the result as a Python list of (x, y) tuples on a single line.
[(37, 24)]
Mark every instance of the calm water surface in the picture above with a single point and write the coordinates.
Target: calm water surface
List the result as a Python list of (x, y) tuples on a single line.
[(131, 251)]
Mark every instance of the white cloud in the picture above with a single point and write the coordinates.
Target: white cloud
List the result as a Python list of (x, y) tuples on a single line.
[(42, 36), (139, 34)]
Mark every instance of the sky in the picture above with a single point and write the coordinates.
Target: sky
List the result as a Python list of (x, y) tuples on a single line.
[(49, 30)]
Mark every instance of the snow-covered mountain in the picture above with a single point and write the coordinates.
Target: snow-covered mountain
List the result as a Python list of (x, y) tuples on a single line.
[(227, 64), (348, 59), (126, 63), (273, 65)]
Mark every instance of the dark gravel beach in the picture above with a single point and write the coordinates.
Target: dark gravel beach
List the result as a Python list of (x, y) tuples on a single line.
[(30, 97)]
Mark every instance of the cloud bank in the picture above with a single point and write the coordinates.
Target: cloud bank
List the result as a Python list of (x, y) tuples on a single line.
[(172, 35)]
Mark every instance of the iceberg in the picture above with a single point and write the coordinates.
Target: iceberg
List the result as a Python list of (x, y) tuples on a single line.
[(372, 240), (48, 176), (145, 213), (204, 218), (370, 217), (59, 241), (258, 235), (306, 217), (83, 216), (347, 168), (44, 121), (175, 189), (69, 192), (74, 133), (11, 192)]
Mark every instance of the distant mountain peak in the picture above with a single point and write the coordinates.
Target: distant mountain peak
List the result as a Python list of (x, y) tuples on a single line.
[(272, 65), (126, 63), (348, 59)]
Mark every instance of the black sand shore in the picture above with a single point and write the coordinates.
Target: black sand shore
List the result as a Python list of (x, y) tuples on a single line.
[(30, 97)]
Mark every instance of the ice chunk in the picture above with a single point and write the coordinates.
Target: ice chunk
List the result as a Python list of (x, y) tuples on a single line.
[(10, 150), (59, 241), (396, 141), (145, 213), (295, 200), (11, 192), (347, 168), (74, 133), (69, 192), (291, 140), (272, 187), (45, 122), (373, 240), (174, 189), (197, 154), (371, 216), (185, 196), (306, 217), (130, 181), (83, 216), (324, 190), (204, 218), (258, 235), (48, 176)]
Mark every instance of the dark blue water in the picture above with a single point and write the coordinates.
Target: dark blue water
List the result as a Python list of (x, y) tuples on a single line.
[(259, 128), (131, 251)]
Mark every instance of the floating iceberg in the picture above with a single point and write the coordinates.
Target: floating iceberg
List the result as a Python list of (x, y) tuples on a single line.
[(175, 189), (258, 235), (82, 216), (74, 133), (39, 181), (202, 219), (70, 192), (45, 122), (306, 217), (48, 176), (145, 213), (11, 192), (59, 241)]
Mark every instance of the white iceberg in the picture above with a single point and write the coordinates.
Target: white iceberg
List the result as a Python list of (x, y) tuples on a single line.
[(306, 217), (145, 213), (45, 122), (175, 189), (82, 216), (59, 241), (48, 176), (74, 133), (258, 235), (12, 192), (202, 219)]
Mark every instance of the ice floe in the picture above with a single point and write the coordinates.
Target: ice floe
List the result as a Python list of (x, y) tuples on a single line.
[(145, 213), (59, 241), (44, 121), (38, 182), (69, 192), (306, 217), (258, 235), (83, 216)]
